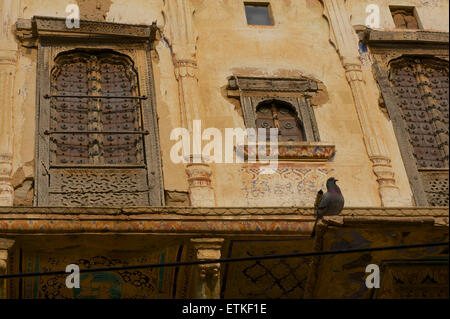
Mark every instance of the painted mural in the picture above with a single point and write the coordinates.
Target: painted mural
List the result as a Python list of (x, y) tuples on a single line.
[(279, 278), (288, 185), (130, 284)]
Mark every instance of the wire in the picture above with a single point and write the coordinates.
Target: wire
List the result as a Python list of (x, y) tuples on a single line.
[(229, 260)]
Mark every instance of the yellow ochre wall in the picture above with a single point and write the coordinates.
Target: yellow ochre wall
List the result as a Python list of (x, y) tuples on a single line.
[(297, 45)]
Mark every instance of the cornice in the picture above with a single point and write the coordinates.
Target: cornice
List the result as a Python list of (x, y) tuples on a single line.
[(28, 31), (377, 37), (273, 221)]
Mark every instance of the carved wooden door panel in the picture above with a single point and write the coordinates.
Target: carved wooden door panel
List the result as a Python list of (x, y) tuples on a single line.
[(96, 132), (281, 117), (421, 87)]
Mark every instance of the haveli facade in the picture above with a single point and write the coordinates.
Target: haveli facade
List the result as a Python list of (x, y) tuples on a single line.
[(86, 174)]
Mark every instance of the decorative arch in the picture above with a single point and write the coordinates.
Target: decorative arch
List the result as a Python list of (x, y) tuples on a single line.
[(274, 113)]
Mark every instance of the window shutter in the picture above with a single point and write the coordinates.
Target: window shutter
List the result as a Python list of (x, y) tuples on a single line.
[(96, 132)]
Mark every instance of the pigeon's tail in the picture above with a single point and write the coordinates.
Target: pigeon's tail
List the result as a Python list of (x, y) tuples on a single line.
[(313, 233)]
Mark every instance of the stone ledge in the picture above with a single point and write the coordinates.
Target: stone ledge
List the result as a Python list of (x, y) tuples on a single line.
[(370, 36), (223, 211), (29, 30), (292, 151), (206, 221)]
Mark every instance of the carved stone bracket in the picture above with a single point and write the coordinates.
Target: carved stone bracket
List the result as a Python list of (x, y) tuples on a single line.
[(209, 274), (5, 244)]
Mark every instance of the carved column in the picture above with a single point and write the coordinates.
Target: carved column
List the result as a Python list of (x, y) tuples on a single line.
[(5, 244), (182, 37), (179, 30), (201, 192), (9, 10), (345, 41), (208, 276)]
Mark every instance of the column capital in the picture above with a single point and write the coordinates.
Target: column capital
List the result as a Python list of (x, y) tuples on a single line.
[(6, 244)]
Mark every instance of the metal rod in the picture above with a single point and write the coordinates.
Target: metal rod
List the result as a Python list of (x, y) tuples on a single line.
[(99, 166), (146, 132), (47, 96)]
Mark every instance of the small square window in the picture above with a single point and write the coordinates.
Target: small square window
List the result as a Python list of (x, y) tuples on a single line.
[(404, 17), (258, 14)]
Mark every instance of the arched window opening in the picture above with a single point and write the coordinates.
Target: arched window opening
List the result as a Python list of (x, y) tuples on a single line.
[(280, 115)]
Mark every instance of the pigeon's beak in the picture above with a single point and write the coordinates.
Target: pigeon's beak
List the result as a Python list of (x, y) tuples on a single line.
[(336, 180)]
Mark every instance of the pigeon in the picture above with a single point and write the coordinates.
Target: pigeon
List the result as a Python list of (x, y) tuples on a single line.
[(328, 204)]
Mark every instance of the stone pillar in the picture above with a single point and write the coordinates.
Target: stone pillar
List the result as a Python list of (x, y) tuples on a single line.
[(5, 244), (9, 11), (182, 36), (201, 192), (345, 41), (207, 275)]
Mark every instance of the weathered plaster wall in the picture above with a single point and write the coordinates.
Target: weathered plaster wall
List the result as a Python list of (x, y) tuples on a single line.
[(427, 12), (228, 46), (292, 47)]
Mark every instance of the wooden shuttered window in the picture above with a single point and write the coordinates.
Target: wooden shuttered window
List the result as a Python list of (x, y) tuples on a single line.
[(96, 132), (273, 114), (421, 87)]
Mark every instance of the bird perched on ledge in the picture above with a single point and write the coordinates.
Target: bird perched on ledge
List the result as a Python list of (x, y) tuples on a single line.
[(329, 204)]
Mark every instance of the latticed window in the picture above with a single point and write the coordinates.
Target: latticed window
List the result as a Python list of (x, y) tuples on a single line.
[(96, 132), (274, 114), (95, 110), (421, 87)]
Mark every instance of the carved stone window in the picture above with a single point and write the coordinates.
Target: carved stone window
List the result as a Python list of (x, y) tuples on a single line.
[(404, 17), (421, 88), (284, 104), (97, 140)]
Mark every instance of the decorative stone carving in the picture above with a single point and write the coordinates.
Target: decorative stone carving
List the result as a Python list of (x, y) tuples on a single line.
[(201, 192), (344, 38), (209, 274), (5, 244), (29, 31), (292, 151), (9, 11), (180, 32), (296, 92)]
